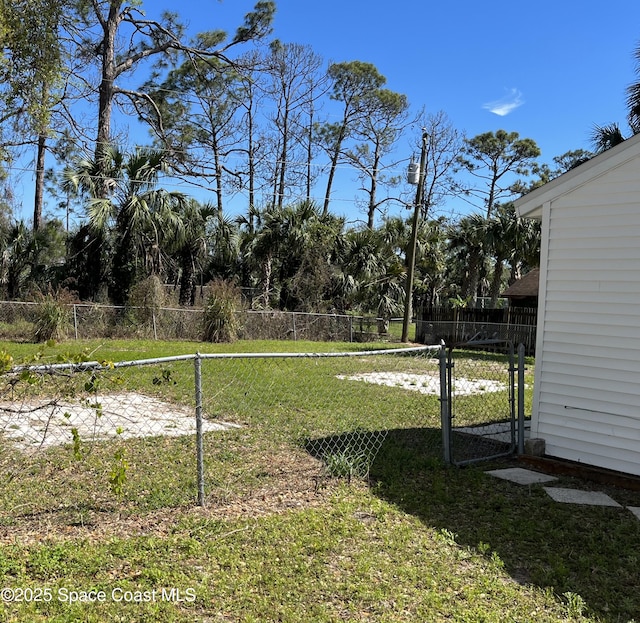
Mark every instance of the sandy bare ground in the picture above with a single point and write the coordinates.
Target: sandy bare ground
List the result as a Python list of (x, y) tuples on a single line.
[(293, 481), (38, 424), (427, 383)]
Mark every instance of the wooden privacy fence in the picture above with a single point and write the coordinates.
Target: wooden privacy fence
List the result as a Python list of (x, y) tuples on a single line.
[(462, 325)]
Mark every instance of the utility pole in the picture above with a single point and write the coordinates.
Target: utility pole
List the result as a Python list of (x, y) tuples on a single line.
[(411, 251)]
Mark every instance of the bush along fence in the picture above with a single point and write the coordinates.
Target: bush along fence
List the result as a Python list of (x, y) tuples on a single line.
[(142, 435), (26, 320)]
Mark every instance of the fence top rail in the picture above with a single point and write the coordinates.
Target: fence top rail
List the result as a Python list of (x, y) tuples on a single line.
[(96, 365), (199, 310), (358, 353)]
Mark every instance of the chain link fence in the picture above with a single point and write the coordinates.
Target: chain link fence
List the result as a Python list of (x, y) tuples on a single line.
[(158, 433), (78, 437), (18, 320), (485, 401)]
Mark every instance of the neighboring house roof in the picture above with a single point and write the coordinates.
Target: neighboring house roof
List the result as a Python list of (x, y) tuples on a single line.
[(530, 205), (525, 287)]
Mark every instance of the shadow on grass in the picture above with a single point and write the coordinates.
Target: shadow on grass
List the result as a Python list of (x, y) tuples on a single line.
[(593, 552)]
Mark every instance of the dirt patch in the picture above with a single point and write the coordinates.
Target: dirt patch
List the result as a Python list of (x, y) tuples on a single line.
[(427, 383), (294, 481), (38, 424)]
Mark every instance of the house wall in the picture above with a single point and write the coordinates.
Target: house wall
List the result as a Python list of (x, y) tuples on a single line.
[(587, 399)]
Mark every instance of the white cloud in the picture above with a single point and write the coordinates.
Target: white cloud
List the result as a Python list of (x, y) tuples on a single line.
[(511, 101)]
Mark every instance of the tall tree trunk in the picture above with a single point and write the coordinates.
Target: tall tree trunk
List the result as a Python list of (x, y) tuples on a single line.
[(373, 189), (187, 279), (496, 281), (39, 186), (251, 167), (107, 88), (283, 159), (327, 195), (334, 165), (218, 174), (309, 152)]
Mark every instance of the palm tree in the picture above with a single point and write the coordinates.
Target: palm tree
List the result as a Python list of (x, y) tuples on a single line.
[(633, 97), (430, 262), (606, 136), (283, 243), (260, 246), (189, 246), (18, 258), (467, 243), (373, 260), (224, 256), (135, 215), (526, 247), (31, 257), (500, 235)]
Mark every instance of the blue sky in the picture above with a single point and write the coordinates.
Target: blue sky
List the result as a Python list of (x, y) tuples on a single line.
[(548, 70), (566, 65)]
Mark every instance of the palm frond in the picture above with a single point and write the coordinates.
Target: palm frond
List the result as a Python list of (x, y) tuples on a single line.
[(606, 136)]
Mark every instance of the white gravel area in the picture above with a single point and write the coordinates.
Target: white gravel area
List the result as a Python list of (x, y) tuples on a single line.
[(41, 424), (428, 383)]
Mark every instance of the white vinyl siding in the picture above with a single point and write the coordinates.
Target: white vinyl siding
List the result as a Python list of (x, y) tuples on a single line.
[(588, 362)]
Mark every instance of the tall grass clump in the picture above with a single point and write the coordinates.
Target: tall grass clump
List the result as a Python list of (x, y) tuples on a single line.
[(146, 298), (52, 318), (221, 322)]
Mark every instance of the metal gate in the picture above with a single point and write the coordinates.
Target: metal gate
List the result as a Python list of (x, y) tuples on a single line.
[(482, 401)]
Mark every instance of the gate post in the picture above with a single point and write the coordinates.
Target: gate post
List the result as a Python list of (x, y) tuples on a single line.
[(513, 370), (445, 405), (521, 349), (197, 364)]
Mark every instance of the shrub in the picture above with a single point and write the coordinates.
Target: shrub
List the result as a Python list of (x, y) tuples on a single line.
[(221, 323), (146, 298), (53, 319)]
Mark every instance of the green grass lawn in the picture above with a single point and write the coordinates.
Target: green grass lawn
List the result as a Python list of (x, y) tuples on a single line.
[(279, 539)]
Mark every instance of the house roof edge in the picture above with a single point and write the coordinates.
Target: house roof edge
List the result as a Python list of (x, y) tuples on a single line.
[(530, 205)]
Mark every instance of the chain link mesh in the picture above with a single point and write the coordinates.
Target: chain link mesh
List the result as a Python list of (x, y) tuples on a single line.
[(85, 321), (483, 406), (338, 408), (88, 436)]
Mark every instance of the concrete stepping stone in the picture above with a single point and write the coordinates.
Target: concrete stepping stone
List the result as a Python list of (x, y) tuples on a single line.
[(575, 496), (521, 476), (635, 510)]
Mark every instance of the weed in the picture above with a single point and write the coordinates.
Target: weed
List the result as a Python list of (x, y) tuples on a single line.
[(575, 604), (483, 548), (165, 378), (118, 475), (446, 536), (6, 361), (347, 463), (77, 444)]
